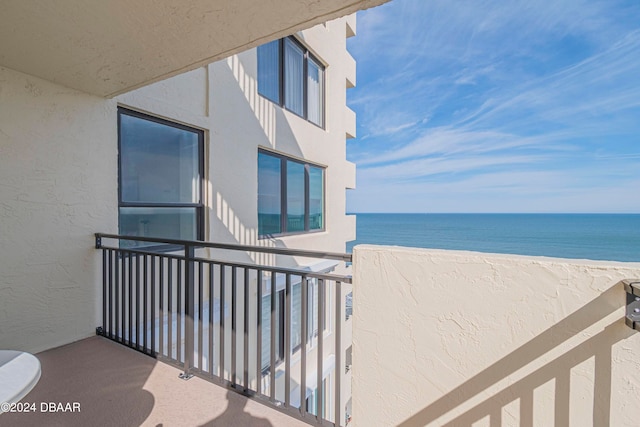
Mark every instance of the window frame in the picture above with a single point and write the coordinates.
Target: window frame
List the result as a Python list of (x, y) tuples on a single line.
[(198, 206), (307, 55), (283, 196)]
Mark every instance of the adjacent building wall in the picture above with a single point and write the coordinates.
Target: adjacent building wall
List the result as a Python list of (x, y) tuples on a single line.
[(223, 99), (445, 338)]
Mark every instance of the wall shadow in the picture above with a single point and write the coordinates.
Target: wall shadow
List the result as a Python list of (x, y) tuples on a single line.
[(233, 218), (235, 414), (598, 346), (105, 378)]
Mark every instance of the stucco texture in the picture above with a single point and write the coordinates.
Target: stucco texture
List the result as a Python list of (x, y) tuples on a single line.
[(110, 48), (58, 186), (444, 338)]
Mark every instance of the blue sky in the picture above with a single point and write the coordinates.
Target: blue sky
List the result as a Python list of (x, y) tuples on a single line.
[(497, 106)]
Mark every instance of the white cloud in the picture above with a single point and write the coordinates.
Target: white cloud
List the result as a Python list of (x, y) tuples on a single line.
[(510, 98)]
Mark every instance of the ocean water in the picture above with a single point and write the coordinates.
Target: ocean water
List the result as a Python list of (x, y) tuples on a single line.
[(612, 237)]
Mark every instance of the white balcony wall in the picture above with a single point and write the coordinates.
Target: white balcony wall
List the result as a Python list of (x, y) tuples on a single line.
[(58, 186), (443, 338)]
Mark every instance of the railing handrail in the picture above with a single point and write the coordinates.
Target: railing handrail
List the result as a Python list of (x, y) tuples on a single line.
[(274, 269), (235, 247)]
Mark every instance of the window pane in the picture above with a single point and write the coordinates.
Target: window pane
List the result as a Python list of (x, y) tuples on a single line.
[(159, 163), (269, 197), (269, 70), (295, 196), (316, 198), (314, 92), (293, 60), (169, 223)]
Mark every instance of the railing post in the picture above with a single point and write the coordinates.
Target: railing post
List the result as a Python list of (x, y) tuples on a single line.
[(339, 369), (189, 291)]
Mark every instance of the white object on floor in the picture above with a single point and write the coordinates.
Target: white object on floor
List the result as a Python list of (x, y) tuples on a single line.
[(19, 373)]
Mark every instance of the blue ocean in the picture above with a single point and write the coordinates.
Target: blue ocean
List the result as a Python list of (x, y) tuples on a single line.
[(611, 237)]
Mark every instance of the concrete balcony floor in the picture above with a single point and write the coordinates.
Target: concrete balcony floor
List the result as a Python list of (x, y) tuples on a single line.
[(117, 386)]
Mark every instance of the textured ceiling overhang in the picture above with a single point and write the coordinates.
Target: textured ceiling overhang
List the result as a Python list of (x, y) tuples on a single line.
[(108, 47)]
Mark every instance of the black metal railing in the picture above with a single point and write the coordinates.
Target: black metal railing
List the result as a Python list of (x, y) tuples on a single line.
[(269, 332)]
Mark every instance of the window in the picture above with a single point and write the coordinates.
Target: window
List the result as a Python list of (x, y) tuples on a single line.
[(160, 178), (290, 195), (291, 77)]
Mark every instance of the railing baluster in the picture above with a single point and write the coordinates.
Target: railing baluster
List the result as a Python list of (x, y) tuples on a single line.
[(304, 301), (153, 305), (234, 292), (319, 371), (104, 292), (129, 300), (117, 289), (111, 307), (136, 300), (272, 357), (200, 314), (125, 259), (170, 308), (221, 325), (189, 300), (287, 342), (259, 333), (211, 319), (145, 299), (179, 312), (161, 305), (245, 347), (338, 368)]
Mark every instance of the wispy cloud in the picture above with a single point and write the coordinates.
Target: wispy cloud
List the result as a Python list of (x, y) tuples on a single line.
[(452, 94)]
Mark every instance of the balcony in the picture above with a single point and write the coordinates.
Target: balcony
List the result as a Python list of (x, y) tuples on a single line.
[(440, 338)]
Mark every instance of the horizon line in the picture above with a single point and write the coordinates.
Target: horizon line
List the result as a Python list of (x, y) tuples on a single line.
[(492, 213)]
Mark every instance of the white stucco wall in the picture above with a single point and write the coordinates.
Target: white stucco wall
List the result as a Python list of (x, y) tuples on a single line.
[(460, 338), (58, 186)]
